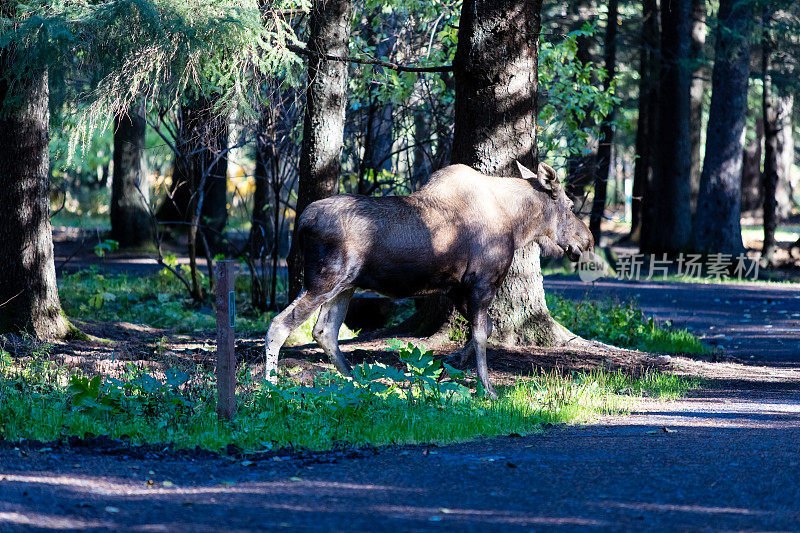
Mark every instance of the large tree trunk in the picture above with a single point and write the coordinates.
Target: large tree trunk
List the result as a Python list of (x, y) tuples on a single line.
[(606, 129), (669, 229), (699, 32), (130, 193), (323, 128), (28, 292), (646, 123), (717, 222), (496, 75)]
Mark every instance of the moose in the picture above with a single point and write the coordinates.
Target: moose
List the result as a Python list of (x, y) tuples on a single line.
[(455, 236)]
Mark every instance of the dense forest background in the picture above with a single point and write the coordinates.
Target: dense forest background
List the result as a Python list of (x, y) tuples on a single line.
[(205, 126)]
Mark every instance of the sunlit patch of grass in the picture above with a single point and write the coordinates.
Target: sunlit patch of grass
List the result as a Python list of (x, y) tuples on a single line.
[(39, 400), (161, 301), (623, 325)]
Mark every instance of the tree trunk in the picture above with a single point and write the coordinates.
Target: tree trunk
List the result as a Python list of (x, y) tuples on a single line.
[(669, 229), (784, 104), (751, 188), (771, 130), (130, 193), (699, 32), (265, 159), (422, 159), (201, 159), (649, 61), (378, 138), (28, 292), (323, 127), (377, 144), (718, 225), (496, 76), (606, 129)]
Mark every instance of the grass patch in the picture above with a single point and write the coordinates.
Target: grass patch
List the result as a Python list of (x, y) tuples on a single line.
[(426, 402), (160, 301), (623, 325)]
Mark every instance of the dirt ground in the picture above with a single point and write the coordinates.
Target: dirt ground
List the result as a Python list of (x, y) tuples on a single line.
[(727, 457)]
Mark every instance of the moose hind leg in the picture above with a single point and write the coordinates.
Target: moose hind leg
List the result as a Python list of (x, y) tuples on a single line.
[(326, 330), (286, 322), (481, 327)]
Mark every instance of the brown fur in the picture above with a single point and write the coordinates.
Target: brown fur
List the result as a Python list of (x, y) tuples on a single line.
[(457, 235)]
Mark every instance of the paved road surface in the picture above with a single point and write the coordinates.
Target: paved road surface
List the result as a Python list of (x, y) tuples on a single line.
[(758, 322)]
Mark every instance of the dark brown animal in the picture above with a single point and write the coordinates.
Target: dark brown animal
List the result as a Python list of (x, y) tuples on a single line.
[(457, 236)]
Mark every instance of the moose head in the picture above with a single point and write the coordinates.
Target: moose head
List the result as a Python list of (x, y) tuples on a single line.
[(560, 225)]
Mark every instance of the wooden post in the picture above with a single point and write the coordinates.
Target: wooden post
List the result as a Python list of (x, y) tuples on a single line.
[(226, 352)]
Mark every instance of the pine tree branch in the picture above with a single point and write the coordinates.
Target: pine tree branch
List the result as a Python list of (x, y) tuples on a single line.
[(362, 61)]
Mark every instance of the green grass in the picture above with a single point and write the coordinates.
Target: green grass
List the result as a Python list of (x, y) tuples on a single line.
[(622, 325), (39, 400), (160, 301)]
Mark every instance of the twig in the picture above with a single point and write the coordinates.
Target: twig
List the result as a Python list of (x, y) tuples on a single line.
[(386, 64)]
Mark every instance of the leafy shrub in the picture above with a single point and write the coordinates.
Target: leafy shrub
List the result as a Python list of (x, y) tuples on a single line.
[(427, 401), (623, 325)]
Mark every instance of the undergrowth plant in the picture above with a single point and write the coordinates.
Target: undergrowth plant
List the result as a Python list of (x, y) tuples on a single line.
[(425, 401), (160, 301), (623, 325)]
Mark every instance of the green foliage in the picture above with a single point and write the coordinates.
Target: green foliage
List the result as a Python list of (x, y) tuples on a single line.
[(381, 405), (622, 325), (112, 55), (107, 246), (160, 301), (576, 102)]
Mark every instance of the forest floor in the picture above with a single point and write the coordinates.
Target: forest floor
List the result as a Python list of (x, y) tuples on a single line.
[(725, 457)]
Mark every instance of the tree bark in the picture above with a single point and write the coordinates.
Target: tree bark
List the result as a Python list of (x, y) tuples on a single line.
[(769, 180), (378, 138), (422, 157), (699, 32), (265, 162), (641, 202), (751, 186), (606, 129), (496, 77), (130, 193), (718, 225), (28, 292), (784, 105), (323, 127), (669, 229)]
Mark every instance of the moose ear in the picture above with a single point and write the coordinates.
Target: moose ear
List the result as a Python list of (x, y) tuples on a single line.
[(527, 174), (547, 176)]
